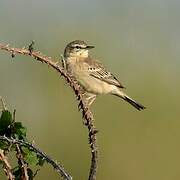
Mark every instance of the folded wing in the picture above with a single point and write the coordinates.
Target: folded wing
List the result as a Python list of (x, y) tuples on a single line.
[(97, 70)]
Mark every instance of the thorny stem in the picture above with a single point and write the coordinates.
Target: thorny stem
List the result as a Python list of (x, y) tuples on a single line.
[(86, 113)]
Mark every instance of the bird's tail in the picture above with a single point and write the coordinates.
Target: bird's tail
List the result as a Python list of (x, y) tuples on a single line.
[(137, 105), (122, 95)]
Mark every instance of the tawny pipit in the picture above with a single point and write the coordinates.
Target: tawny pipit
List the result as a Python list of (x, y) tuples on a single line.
[(92, 75)]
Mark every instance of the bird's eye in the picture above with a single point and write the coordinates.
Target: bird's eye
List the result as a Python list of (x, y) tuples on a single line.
[(77, 47)]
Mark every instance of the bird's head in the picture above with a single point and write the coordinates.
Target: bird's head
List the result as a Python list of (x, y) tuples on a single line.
[(77, 48)]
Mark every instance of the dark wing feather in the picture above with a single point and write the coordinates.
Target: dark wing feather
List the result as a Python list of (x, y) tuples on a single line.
[(96, 70)]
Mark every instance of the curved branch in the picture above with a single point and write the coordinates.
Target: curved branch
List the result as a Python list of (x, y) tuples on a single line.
[(86, 113)]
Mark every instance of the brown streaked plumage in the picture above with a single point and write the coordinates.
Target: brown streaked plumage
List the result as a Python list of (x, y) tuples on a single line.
[(92, 75)]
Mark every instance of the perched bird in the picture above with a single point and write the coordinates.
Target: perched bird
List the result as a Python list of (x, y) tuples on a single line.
[(91, 74)]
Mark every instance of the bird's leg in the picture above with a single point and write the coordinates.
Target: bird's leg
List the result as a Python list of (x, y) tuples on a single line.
[(89, 98)]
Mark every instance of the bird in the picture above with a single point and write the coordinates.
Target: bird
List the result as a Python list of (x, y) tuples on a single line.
[(91, 75)]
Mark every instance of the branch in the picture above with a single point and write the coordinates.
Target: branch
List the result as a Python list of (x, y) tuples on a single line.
[(30, 146), (21, 162), (86, 113), (7, 166)]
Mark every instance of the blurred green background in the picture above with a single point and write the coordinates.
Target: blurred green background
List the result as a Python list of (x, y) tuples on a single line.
[(139, 40)]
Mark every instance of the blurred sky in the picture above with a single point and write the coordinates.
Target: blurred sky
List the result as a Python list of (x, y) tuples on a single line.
[(139, 40)]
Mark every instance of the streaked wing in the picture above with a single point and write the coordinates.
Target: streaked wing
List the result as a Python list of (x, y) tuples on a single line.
[(96, 70)]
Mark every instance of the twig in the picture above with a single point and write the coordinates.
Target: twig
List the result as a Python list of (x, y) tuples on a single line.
[(3, 103), (31, 47), (22, 164), (56, 166), (7, 166), (86, 113)]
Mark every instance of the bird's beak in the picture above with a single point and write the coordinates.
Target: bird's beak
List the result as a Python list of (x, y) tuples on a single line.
[(89, 47)]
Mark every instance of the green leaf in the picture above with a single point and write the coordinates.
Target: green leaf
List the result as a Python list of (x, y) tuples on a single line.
[(19, 130), (4, 145), (41, 161), (30, 174), (30, 156), (1, 163), (5, 122), (17, 173)]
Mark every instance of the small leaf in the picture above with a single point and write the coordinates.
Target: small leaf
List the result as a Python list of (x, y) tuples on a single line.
[(30, 174), (4, 145), (17, 173), (19, 130), (5, 122), (41, 161)]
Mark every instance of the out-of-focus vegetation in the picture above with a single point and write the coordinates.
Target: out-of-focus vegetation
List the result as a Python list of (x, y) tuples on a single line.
[(139, 42)]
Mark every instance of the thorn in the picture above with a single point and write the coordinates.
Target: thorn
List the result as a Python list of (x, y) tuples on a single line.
[(13, 54), (30, 47), (96, 131), (85, 122), (33, 142), (80, 105)]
